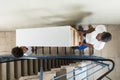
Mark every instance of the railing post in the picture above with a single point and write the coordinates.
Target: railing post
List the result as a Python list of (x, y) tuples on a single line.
[(73, 74), (41, 73)]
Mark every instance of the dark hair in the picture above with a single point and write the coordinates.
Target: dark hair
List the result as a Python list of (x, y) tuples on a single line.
[(17, 52), (106, 37)]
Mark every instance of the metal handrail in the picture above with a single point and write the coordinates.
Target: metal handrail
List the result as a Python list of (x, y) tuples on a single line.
[(79, 68), (83, 71), (87, 58), (94, 72), (71, 71)]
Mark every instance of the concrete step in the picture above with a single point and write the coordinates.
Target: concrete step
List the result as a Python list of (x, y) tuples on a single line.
[(10, 71), (61, 51), (47, 75), (33, 77), (30, 67), (35, 66), (18, 69), (76, 65), (68, 69), (60, 72), (24, 67), (3, 71), (55, 69)]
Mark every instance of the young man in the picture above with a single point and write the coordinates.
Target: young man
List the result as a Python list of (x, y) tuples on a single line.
[(95, 37), (20, 51)]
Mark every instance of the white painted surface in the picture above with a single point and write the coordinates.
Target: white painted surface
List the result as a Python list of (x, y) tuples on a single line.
[(50, 36), (16, 14)]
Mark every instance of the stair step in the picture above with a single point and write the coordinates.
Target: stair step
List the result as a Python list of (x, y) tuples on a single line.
[(17, 69), (10, 71), (3, 71)]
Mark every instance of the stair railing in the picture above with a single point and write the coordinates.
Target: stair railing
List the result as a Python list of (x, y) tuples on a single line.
[(99, 60)]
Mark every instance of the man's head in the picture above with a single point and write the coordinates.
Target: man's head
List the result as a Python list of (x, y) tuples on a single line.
[(17, 52), (104, 37), (24, 49)]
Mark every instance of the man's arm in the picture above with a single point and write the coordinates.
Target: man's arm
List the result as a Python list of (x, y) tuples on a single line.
[(88, 45), (91, 29)]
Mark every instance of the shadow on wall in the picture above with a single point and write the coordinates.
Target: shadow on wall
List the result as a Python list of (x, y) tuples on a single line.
[(74, 15), (44, 17)]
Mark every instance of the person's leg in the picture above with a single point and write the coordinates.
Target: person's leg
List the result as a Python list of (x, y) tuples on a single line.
[(83, 32), (82, 47)]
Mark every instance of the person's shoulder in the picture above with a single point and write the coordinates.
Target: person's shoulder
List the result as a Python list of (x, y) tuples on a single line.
[(101, 28), (99, 45)]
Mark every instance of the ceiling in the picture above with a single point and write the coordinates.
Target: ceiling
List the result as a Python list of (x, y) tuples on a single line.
[(16, 14)]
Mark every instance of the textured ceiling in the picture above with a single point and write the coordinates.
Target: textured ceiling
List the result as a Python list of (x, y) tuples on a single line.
[(44, 13)]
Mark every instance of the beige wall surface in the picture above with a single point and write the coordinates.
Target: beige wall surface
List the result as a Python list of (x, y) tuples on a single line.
[(7, 42)]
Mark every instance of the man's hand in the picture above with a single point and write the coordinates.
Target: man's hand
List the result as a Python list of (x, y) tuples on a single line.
[(90, 26), (91, 30), (80, 43)]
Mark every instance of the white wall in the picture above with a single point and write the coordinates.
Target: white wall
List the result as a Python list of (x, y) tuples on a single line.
[(36, 13)]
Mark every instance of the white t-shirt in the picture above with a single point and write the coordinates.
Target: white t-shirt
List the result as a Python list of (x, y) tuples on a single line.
[(91, 37), (29, 51)]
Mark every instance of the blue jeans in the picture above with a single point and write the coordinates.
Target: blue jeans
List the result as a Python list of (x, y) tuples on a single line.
[(82, 47)]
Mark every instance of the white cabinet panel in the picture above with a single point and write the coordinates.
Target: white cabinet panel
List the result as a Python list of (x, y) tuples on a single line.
[(61, 36)]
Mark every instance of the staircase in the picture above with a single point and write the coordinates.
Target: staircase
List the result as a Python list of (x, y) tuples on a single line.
[(43, 64), (13, 70)]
